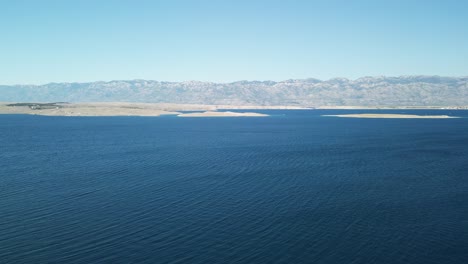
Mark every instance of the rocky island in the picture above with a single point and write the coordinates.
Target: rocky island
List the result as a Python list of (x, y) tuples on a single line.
[(123, 109), (220, 114), (392, 116)]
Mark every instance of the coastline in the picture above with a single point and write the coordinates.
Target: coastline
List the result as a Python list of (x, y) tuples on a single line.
[(392, 116), (158, 109), (126, 109), (221, 114)]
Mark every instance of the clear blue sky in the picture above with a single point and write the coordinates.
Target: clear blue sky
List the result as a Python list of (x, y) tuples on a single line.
[(174, 40)]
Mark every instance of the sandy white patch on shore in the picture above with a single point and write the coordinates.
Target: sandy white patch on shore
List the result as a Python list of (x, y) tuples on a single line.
[(392, 116), (220, 114)]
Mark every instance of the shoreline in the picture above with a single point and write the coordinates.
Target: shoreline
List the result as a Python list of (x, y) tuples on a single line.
[(221, 114), (392, 116), (159, 109), (122, 109)]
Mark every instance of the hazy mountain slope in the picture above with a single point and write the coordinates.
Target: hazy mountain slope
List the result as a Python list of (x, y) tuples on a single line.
[(384, 91)]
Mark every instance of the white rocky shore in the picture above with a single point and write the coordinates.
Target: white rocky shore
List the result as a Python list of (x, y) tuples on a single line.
[(392, 116), (220, 114), (126, 109)]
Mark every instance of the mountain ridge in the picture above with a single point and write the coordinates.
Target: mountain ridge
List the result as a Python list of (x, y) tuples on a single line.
[(408, 90)]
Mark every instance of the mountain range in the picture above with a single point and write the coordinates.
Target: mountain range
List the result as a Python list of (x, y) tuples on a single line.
[(365, 91)]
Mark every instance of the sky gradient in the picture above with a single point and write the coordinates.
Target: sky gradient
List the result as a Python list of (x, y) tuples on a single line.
[(222, 41)]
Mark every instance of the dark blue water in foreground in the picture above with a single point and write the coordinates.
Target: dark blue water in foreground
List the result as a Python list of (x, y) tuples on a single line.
[(291, 188)]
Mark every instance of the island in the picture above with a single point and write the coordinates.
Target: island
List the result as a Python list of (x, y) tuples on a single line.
[(126, 109), (180, 110), (392, 116), (220, 114)]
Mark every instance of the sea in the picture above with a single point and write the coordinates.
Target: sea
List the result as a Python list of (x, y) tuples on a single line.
[(293, 187)]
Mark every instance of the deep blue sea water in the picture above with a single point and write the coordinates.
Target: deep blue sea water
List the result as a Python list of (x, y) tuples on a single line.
[(294, 187)]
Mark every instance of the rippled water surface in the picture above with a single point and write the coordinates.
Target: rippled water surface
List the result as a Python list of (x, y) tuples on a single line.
[(294, 187)]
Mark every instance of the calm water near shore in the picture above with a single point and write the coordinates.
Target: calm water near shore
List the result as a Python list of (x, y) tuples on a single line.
[(294, 187)]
